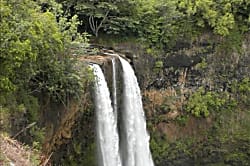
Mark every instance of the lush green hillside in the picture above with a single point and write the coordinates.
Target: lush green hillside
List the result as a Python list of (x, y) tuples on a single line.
[(193, 54)]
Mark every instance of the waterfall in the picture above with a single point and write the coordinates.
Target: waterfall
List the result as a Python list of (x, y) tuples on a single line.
[(135, 139), (114, 87), (131, 146), (107, 135)]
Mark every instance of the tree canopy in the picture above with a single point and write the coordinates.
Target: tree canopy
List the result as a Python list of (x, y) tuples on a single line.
[(35, 49)]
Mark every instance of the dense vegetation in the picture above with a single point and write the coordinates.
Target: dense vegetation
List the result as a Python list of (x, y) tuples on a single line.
[(159, 23), (35, 61), (41, 38), (223, 142)]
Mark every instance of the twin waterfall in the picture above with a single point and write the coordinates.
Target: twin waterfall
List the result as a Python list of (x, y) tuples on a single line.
[(128, 146)]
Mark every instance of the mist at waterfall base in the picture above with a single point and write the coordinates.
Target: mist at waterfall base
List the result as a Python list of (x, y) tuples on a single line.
[(129, 147)]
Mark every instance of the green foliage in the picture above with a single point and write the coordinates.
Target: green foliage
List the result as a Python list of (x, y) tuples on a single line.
[(4, 118), (156, 23), (38, 135), (213, 149), (182, 120), (29, 105), (202, 65), (159, 25), (68, 26), (34, 48), (241, 91), (170, 153), (159, 150), (158, 66), (24, 35), (202, 103), (226, 142), (15, 43), (221, 16), (81, 148), (113, 17), (35, 60), (244, 86), (24, 109), (231, 43), (89, 156)]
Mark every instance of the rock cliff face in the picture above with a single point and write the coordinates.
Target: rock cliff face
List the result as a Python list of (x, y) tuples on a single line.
[(167, 81), (70, 131), (196, 64)]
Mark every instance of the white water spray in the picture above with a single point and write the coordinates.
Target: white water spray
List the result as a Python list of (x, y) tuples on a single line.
[(107, 135), (135, 139), (114, 87)]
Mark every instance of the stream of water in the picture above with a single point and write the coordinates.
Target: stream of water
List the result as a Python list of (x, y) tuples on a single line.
[(135, 144), (107, 135), (129, 147)]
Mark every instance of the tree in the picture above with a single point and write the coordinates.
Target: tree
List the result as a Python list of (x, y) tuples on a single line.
[(18, 30), (112, 16), (221, 16), (34, 49), (159, 22)]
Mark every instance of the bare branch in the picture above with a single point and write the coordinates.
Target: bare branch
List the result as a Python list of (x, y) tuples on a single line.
[(94, 24), (91, 23), (27, 127), (103, 20)]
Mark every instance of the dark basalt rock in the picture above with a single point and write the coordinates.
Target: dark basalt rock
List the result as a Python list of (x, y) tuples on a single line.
[(181, 60)]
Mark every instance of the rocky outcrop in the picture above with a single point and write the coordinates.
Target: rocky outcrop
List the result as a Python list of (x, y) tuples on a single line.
[(70, 129), (166, 81)]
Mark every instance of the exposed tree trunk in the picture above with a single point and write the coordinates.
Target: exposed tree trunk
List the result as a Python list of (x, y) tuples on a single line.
[(95, 27)]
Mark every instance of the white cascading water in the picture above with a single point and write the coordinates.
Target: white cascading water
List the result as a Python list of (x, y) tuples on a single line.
[(114, 87), (107, 135), (135, 146)]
